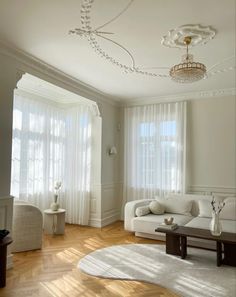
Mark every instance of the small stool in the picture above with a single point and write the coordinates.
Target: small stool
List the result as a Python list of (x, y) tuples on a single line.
[(3, 259), (54, 221)]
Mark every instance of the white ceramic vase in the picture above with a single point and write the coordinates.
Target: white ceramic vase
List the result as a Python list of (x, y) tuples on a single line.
[(215, 224), (55, 205)]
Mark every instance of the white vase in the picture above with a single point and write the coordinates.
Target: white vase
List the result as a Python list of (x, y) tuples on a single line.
[(54, 206), (215, 225)]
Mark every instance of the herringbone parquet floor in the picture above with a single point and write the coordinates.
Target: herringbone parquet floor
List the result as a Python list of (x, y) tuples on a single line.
[(52, 272)]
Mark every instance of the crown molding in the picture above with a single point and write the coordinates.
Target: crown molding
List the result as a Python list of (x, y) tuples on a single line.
[(29, 62), (35, 66), (34, 85), (181, 97)]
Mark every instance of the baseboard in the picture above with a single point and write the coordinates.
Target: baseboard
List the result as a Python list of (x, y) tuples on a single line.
[(9, 261), (95, 223), (111, 219), (99, 223)]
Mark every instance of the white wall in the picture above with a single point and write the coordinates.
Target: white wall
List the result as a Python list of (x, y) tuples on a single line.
[(7, 84), (211, 139), (111, 169)]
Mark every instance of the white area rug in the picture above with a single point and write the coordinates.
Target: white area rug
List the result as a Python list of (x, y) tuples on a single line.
[(196, 276)]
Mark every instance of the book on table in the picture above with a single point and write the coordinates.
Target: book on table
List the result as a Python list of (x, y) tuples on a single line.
[(168, 227)]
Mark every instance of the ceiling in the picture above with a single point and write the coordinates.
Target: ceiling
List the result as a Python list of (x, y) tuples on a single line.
[(40, 28)]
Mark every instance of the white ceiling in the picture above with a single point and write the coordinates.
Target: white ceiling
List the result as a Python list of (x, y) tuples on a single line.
[(40, 28)]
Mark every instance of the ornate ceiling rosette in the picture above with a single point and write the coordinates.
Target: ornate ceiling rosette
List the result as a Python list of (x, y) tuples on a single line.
[(199, 35)]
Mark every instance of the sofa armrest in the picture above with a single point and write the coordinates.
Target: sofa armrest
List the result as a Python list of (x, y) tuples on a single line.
[(27, 227), (130, 209)]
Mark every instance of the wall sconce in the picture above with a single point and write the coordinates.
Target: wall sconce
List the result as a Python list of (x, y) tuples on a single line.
[(112, 151)]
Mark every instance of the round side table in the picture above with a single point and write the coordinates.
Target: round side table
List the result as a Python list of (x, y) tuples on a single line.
[(54, 221), (3, 259)]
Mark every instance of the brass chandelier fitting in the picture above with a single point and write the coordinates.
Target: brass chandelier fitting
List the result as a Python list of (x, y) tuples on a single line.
[(188, 71)]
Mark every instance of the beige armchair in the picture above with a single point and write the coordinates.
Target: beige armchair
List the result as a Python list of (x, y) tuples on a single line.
[(27, 227)]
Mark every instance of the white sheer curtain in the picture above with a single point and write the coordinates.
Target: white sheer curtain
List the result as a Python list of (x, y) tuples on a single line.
[(78, 164), (154, 150), (52, 144)]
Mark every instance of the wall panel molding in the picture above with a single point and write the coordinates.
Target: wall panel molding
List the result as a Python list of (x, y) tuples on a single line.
[(212, 190), (111, 202)]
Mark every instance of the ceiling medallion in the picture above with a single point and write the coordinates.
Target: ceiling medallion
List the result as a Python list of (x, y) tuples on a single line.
[(199, 35), (187, 71)]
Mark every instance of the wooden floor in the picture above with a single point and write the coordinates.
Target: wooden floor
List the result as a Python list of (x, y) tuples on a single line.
[(52, 271)]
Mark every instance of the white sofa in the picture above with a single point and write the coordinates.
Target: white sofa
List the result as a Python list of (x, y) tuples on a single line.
[(144, 226)]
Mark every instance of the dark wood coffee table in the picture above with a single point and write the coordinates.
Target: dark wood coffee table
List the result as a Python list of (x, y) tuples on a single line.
[(176, 243), (3, 259)]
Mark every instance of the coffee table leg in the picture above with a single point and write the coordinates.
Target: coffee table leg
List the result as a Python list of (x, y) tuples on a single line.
[(3, 264), (219, 253), (229, 254), (173, 244), (183, 243)]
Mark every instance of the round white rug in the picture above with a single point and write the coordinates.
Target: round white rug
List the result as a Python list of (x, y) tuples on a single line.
[(196, 276)]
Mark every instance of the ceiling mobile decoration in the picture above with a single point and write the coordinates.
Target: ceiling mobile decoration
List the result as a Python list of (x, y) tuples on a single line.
[(181, 37)]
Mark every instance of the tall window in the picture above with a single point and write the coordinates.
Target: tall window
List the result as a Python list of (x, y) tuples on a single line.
[(52, 143), (151, 152), (38, 149), (154, 150)]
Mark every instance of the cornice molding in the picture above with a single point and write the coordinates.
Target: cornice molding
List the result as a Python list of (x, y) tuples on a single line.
[(72, 84), (35, 66), (181, 97), (34, 85)]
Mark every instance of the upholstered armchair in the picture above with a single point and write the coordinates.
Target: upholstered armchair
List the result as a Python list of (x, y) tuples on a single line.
[(27, 227)]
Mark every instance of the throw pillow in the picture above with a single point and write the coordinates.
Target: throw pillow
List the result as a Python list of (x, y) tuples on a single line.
[(176, 205), (205, 208), (156, 207), (142, 211), (229, 210)]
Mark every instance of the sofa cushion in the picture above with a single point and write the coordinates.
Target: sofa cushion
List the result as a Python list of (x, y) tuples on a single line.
[(204, 223), (194, 198), (228, 212), (142, 211), (149, 223), (156, 207), (177, 205)]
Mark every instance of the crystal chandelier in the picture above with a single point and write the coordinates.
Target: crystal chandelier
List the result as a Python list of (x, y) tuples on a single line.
[(188, 71)]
